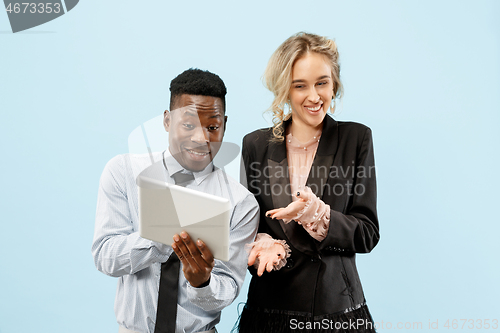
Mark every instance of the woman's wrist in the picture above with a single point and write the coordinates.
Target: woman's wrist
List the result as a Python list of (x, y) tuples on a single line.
[(265, 242), (315, 216)]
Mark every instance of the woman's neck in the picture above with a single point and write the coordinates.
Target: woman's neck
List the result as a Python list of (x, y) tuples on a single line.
[(302, 132)]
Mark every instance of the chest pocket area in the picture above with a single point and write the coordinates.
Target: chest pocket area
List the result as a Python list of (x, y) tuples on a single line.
[(338, 193)]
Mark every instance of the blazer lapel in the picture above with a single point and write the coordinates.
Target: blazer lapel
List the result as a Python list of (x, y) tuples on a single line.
[(279, 182), (324, 157), (279, 179)]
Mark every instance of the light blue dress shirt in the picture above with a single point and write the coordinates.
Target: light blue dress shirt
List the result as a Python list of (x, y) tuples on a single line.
[(119, 251)]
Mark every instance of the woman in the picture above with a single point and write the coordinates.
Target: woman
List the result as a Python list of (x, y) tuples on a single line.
[(314, 179)]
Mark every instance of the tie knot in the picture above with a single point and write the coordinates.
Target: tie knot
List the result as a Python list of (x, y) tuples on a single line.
[(181, 178)]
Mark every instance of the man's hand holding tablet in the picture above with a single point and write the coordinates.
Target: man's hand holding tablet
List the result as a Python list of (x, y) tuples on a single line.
[(197, 260)]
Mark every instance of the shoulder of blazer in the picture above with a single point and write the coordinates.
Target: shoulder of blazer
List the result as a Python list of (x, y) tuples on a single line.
[(350, 127), (256, 143), (258, 136), (352, 133)]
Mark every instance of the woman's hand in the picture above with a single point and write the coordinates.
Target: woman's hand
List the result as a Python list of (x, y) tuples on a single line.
[(289, 212), (266, 257)]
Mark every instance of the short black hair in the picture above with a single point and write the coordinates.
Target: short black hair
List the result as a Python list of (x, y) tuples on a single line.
[(195, 81)]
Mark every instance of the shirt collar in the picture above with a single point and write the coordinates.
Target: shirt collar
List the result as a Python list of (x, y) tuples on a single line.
[(173, 166)]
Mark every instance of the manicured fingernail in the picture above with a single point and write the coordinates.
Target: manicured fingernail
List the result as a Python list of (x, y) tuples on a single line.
[(174, 246), (176, 238), (184, 235), (199, 242)]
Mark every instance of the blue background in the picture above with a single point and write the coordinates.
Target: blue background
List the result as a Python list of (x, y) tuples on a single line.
[(425, 76)]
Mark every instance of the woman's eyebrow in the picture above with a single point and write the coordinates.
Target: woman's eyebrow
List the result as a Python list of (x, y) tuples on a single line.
[(319, 78)]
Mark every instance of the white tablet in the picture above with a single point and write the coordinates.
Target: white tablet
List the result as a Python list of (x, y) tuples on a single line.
[(166, 209)]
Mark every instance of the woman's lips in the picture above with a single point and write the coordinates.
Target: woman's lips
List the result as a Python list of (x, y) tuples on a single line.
[(314, 109)]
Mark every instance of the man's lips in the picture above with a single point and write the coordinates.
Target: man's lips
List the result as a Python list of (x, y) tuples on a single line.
[(197, 152)]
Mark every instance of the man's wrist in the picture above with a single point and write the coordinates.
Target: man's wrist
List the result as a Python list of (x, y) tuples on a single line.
[(204, 284)]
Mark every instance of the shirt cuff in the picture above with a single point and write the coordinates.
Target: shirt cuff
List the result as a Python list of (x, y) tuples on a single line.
[(211, 290), (163, 251)]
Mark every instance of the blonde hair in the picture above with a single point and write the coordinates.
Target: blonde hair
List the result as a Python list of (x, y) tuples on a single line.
[(278, 74)]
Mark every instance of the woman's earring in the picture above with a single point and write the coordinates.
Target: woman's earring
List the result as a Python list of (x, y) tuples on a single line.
[(332, 105)]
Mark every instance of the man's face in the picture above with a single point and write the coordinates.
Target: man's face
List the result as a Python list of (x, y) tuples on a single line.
[(196, 127)]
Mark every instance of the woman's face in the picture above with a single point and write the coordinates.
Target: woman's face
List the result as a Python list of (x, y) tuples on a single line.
[(311, 91)]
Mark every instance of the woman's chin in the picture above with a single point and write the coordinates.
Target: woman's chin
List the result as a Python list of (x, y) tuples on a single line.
[(316, 120)]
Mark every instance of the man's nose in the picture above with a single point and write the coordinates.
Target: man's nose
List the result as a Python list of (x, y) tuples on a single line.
[(199, 136)]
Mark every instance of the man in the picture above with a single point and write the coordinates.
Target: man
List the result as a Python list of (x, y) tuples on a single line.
[(196, 125)]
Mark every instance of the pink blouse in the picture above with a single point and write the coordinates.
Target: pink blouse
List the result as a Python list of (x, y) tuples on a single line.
[(315, 217)]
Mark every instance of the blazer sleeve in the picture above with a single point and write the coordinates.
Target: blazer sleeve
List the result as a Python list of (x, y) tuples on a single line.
[(248, 170), (358, 229), (247, 165), (244, 163)]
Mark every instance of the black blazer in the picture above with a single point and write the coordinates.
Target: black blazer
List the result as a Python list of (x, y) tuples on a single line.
[(320, 277)]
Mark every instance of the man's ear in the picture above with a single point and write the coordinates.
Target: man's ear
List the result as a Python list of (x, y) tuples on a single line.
[(166, 120), (225, 122)]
